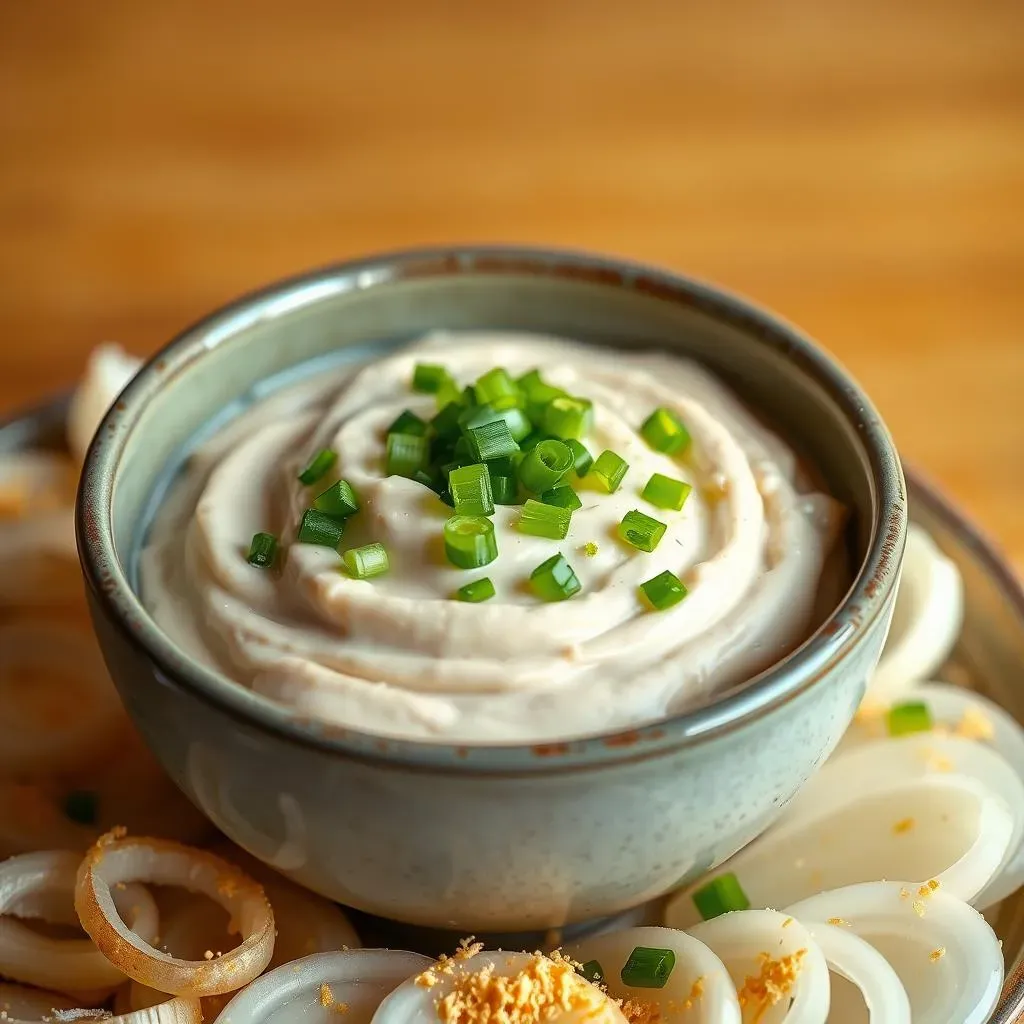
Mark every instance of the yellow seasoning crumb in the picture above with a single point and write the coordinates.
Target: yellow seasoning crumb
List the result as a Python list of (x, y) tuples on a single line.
[(773, 983), (640, 1011), (904, 894), (326, 995), (208, 954), (918, 906), (590, 549), (937, 954), (340, 1007), (787, 922), (838, 922), (974, 725), (903, 826)]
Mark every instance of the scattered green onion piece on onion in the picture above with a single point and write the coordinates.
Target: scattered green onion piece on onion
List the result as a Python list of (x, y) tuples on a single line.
[(568, 417), (471, 490), (554, 580), (647, 967), (469, 541), (407, 422), (640, 530), (610, 468), (912, 716), (504, 481), (338, 500), (446, 422), (722, 895), (563, 496), (407, 453), (664, 590), (493, 385), (320, 529), (542, 520), (366, 562), (592, 971), (318, 467), (477, 591), (666, 492), (545, 465), (81, 806), (582, 459), (665, 432), (491, 441), (262, 550), (428, 377)]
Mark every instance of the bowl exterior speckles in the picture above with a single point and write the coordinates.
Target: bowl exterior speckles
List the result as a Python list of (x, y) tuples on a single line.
[(491, 838)]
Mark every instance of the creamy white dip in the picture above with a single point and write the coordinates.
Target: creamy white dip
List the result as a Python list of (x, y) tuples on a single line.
[(397, 656)]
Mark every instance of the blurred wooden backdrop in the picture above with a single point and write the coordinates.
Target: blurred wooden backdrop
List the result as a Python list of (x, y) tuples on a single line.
[(856, 164)]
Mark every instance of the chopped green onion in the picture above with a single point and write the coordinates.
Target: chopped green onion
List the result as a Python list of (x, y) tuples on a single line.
[(446, 422), (507, 402), (640, 530), (563, 496), (262, 550), (320, 529), (447, 393), (339, 500), (529, 380), (665, 432), (471, 490), (494, 385), (582, 459), (429, 479), (491, 441), (407, 453), (537, 398), (609, 468), (82, 806), (463, 451), (407, 422), (542, 520), (446, 496), (545, 465), (428, 377), (592, 971), (531, 441), (518, 424), (469, 541), (664, 590), (365, 562), (567, 417), (912, 716), (554, 580), (318, 467), (721, 895), (504, 482), (477, 591), (647, 967), (666, 492)]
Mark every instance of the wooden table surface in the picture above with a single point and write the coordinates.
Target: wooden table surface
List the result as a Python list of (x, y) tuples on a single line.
[(856, 164)]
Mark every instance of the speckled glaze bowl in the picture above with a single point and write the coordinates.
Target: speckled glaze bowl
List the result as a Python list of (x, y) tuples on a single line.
[(489, 839)]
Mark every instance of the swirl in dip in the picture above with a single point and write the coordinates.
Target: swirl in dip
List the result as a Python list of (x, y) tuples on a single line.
[(397, 654)]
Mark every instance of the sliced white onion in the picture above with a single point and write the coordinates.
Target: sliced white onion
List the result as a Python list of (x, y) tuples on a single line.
[(107, 372), (19, 1003), (57, 703), (183, 1010), (294, 993), (946, 956), (67, 965), (116, 859), (415, 1003), (699, 981), (742, 940), (926, 620)]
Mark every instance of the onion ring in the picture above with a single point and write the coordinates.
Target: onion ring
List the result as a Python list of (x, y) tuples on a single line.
[(115, 859), (67, 965), (181, 1010)]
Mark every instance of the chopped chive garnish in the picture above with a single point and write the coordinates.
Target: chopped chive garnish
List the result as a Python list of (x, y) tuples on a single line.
[(529, 380), (262, 550), (504, 482), (647, 967), (537, 398), (338, 500), (664, 590), (407, 453), (463, 451), (642, 531), (471, 490), (477, 591), (609, 468), (407, 422), (531, 441), (446, 422), (540, 520), (428, 377), (491, 441), (518, 424), (563, 496), (545, 465), (665, 432), (469, 541), (582, 459), (429, 479), (82, 806), (365, 562), (721, 895), (494, 385), (592, 971), (567, 417), (447, 393), (912, 716), (318, 467), (554, 580), (666, 492), (320, 529)]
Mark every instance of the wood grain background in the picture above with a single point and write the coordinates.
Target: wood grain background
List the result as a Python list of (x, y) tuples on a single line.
[(856, 164)]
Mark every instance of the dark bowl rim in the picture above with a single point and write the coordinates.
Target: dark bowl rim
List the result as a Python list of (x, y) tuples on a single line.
[(113, 595)]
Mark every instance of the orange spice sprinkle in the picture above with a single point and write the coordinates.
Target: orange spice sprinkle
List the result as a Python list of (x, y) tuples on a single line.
[(326, 995), (773, 983), (838, 922), (903, 826), (937, 954)]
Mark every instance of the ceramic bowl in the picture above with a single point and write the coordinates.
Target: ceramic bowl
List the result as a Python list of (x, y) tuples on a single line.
[(489, 838)]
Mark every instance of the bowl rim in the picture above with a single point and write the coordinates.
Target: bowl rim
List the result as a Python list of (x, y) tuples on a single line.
[(112, 595)]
